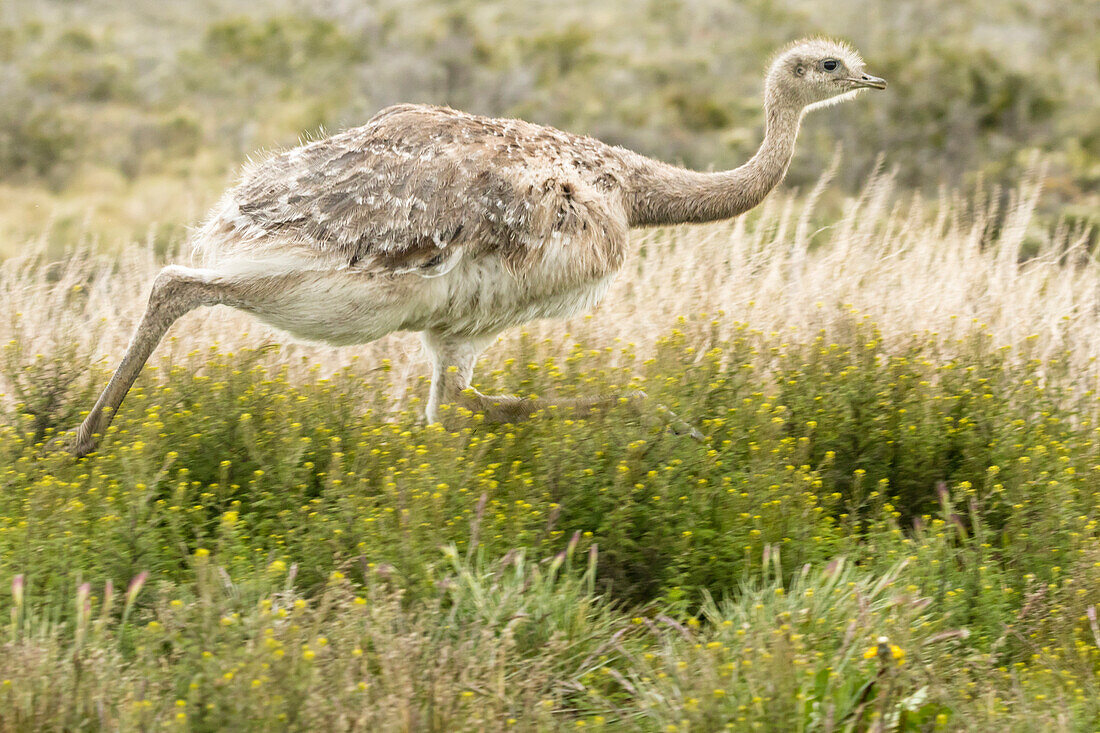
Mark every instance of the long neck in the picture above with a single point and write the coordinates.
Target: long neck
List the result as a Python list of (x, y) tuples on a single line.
[(663, 194)]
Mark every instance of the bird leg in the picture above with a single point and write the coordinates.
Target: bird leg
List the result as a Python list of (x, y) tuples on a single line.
[(176, 291), (453, 360), (452, 370), (513, 408)]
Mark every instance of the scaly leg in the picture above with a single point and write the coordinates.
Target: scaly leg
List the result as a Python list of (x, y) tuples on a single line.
[(176, 291), (453, 360)]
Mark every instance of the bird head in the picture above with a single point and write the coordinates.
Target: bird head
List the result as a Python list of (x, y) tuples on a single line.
[(817, 72)]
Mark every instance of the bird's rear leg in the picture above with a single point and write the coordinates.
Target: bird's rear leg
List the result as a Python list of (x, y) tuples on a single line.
[(176, 291)]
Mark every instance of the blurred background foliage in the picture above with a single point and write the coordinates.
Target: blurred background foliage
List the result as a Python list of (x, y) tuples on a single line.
[(123, 119)]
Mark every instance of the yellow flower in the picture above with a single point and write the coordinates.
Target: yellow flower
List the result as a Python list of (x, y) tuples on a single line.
[(883, 645)]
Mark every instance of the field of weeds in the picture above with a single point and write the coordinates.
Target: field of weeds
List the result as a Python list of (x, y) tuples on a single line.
[(892, 523)]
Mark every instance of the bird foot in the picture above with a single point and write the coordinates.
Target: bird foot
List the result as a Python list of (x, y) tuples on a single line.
[(684, 429), (74, 442), (81, 447), (678, 426)]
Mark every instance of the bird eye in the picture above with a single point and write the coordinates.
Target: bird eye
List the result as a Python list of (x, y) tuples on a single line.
[(830, 65)]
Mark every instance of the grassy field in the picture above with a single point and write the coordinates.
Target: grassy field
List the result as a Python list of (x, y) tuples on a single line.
[(891, 525), (123, 120)]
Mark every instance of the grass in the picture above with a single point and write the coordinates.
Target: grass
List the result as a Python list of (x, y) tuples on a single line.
[(125, 120), (892, 523)]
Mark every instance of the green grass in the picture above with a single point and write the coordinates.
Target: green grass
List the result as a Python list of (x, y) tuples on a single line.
[(947, 504), (124, 121)]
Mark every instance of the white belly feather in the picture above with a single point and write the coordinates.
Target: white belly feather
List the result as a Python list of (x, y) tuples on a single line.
[(349, 306)]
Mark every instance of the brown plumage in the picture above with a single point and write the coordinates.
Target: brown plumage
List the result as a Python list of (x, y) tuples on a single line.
[(457, 226), (416, 182)]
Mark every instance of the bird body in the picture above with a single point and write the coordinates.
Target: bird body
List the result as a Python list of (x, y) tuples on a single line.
[(425, 218), (458, 226)]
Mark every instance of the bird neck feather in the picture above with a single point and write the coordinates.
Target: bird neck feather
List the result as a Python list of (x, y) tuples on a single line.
[(664, 194)]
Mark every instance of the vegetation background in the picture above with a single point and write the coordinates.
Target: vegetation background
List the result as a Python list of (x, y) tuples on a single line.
[(123, 120), (893, 522)]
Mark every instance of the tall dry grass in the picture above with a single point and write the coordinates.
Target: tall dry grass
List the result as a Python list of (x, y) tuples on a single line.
[(910, 264)]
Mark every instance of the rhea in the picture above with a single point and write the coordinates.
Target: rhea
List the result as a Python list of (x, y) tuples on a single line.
[(457, 226)]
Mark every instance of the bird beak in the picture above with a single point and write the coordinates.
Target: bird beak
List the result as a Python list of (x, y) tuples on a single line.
[(868, 81)]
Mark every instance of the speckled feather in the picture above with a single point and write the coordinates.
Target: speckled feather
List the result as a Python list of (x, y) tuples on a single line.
[(418, 186)]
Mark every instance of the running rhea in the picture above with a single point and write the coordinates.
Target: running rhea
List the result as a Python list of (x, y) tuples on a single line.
[(457, 226)]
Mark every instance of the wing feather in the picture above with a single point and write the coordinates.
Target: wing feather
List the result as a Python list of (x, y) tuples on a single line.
[(418, 187)]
